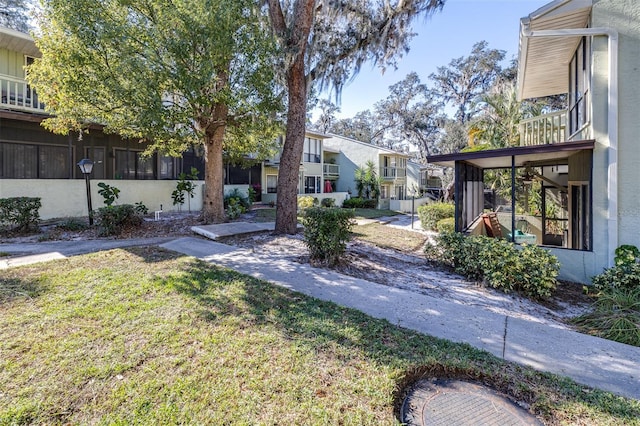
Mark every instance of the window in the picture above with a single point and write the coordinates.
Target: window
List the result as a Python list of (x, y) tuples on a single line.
[(384, 191), (97, 156), (312, 150), (132, 165), (166, 167), (30, 161), (312, 184), (579, 82), (272, 184)]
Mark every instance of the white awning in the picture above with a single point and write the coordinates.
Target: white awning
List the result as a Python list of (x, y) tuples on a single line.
[(543, 62), (18, 42)]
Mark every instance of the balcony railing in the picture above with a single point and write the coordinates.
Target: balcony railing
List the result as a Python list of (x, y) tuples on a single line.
[(17, 94), (544, 129), (331, 170), (392, 172)]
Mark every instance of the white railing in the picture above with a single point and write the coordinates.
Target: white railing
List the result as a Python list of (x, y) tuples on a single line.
[(392, 172), (544, 129), (331, 170), (17, 94)]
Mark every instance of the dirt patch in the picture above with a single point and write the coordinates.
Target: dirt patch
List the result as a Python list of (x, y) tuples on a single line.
[(410, 271)]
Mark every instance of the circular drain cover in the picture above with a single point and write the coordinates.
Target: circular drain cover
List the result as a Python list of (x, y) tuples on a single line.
[(453, 402)]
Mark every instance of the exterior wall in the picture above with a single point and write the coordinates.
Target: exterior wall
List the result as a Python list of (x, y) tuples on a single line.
[(67, 197), (11, 63), (405, 206), (624, 15)]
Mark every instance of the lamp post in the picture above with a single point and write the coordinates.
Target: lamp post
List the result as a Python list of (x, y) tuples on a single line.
[(86, 167)]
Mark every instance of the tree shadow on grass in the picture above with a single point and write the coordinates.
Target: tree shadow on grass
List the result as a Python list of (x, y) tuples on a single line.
[(13, 287), (324, 326)]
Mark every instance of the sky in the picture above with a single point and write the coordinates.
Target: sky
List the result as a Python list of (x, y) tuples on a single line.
[(448, 34)]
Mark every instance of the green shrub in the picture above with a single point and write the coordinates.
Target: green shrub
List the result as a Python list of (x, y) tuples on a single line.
[(359, 203), (239, 198), (234, 208), (109, 193), (615, 316), (529, 270), (430, 214), (185, 186), (113, 220), (446, 225), (626, 255), (20, 214), (618, 277), (326, 233), (328, 202), (141, 208), (306, 202)]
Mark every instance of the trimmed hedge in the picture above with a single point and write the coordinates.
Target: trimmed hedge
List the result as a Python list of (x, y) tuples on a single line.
[(21, 214), (529, 270), (306, 202), (359, 203), (430, 214), (326, 233), (446, 225)]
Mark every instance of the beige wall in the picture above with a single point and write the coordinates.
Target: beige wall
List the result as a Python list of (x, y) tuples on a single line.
[(11, 63), (67, 197)]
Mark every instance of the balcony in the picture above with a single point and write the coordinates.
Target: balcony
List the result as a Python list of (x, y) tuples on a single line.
[(390, 173), (545, 129), (331, 170), (18, 95)]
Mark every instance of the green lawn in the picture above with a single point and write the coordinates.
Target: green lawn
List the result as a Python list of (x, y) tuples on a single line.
[(145, 336), (373, 213)]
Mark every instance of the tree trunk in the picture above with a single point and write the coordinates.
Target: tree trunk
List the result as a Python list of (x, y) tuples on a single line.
[(288, 174), (213, 208)]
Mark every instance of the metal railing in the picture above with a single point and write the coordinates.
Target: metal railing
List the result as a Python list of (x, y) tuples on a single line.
[(331, 170), (17, 94), (544, 129)]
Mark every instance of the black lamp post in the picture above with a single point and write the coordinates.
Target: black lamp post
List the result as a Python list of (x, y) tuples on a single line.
[(86, 167)]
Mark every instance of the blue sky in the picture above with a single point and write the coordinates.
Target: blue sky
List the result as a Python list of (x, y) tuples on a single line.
[(447, 35)]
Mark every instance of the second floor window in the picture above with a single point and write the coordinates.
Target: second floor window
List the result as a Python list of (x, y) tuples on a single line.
[(312, 150), (579, 82)]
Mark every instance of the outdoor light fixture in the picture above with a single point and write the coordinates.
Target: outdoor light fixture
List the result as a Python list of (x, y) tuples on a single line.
[(86, 167)]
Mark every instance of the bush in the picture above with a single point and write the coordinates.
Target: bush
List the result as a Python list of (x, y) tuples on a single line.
[(430, 214), (141, 208), (109, 193), (306, 202), (21, 214), (623, 276), (235, 204), (326, 233), (113, 220), (359, 203), (328, 202), (446, 225), (529, 270)]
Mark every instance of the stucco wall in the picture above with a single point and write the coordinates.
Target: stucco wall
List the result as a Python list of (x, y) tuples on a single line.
[(67, 197), (405, 206)]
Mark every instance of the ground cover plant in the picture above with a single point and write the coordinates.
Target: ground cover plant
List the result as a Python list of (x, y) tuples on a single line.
[(145, 336), (392, 238)]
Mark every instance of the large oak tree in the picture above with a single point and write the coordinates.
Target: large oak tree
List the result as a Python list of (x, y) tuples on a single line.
[(170, 72), (327, 41)]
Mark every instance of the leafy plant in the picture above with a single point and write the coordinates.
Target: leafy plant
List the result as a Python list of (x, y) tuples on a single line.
[(72, 225), (21, 212), (306, 202), (326, 233), (328, 202), (431, 213), (112, 220), (109, 193), (529, 270), (367, 181), (185, 186), (235, 203), (359, 203), (626, 255), (446, 225), (140, 208), (252, 194)]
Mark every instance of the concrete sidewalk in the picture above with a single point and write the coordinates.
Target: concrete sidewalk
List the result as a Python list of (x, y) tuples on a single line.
[(588, 360)]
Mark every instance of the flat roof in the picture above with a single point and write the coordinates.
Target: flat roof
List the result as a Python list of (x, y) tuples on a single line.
[(523, 155)]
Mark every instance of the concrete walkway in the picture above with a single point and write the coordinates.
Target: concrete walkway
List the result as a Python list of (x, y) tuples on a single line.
[(588, 360)]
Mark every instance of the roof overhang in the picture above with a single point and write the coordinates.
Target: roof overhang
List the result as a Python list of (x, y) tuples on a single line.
[(522, 155), (18, 42), (543, 62)]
